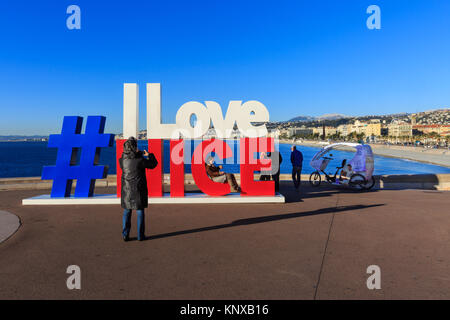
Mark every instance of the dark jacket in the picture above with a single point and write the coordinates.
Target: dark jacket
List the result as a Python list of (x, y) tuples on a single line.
[(296, 158), (213, 170), (134, 193)]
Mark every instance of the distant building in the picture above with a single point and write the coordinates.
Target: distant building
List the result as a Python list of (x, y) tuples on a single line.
[(373, 128), (413, 120), (303, 131), (344, 129), (275, 133), (370, 128), (441, 129), (328, 131), (358, 127), (399, 129), (284, 131)]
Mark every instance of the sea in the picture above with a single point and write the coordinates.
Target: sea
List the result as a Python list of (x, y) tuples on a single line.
[(26, 159)]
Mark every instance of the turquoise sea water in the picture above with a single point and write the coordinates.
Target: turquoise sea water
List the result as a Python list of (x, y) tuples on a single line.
[(25, 159)]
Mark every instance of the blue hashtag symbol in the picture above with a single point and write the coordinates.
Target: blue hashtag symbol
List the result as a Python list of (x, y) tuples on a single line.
[(69, 143)]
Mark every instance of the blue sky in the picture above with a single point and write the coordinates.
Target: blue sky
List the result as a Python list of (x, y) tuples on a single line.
[(296, 57)]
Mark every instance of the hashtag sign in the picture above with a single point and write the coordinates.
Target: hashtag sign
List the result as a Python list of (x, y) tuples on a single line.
[(69, 143)]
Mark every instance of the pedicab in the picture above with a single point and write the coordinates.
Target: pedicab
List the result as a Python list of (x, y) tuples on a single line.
[(355, 173)]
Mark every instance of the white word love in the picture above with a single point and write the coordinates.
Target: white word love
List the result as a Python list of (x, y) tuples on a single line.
[(250, 117)]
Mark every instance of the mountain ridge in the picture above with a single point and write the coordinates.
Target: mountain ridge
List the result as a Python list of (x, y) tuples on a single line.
[(328, 116)]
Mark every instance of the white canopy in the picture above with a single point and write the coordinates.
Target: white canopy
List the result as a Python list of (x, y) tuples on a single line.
[(362, 162)]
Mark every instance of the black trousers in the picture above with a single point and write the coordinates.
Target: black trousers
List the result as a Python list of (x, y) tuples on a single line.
[(296, 176), (276, 178)]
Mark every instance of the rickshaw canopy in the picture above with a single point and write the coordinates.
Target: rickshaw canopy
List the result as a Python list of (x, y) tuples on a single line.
[(362, 162)]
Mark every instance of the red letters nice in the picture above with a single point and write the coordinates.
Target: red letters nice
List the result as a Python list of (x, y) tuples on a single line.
[(249, 117)]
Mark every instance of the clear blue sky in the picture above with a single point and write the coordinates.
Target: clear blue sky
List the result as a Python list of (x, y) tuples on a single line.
[(297, 57)]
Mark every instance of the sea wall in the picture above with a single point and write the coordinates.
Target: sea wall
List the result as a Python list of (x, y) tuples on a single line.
[(419, 181)]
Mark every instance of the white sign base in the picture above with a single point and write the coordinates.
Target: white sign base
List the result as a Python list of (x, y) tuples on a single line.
[(166, 199)]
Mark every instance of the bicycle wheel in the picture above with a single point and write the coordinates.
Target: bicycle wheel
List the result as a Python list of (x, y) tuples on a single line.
[(315, 179), (357, 182), (369, 183)]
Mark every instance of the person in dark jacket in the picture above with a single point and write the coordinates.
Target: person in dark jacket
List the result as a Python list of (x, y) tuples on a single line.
[(276, 163), (216, 175), (297, 162), (134, 194)]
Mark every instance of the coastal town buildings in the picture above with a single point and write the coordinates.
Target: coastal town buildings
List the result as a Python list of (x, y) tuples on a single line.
[(367, 128), (426, 127)]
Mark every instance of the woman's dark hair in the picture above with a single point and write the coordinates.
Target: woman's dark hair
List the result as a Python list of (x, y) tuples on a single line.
[(130, 146)]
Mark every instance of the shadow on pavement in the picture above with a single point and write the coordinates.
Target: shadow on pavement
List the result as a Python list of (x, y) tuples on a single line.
[(306, 191), (263, 219)]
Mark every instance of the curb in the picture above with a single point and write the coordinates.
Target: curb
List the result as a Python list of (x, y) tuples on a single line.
[(9, 224), (415, 181)]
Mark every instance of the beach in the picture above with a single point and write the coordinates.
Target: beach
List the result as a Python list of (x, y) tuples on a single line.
[(439, 157)]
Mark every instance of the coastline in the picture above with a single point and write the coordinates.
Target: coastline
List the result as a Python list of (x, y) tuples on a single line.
[(438, 157)]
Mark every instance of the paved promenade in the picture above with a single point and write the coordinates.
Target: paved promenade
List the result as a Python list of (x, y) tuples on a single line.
[(317, 245)]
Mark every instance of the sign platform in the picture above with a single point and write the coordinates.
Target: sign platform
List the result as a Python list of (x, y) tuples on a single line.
[(166, 199)]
